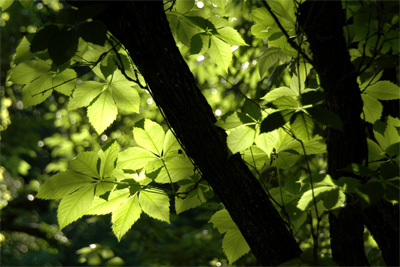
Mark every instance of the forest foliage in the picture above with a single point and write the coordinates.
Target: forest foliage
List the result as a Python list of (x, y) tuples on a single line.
[(103, 147)]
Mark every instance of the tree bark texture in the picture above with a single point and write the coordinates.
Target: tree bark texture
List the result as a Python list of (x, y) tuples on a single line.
[(323, 24), (143, 29)]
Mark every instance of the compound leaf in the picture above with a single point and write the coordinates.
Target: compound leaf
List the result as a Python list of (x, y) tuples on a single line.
[(75, 205), (102, 112), (62, 184), (155, 203), (125, 216)]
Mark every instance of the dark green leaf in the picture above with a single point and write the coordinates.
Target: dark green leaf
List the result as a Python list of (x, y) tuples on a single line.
[(313, 97), (195, 44), (272, 122), (203, 23), (326, 117), (90, 11), (370, 192), (63, 47), (94, 32), (42, 38), (252, 109)]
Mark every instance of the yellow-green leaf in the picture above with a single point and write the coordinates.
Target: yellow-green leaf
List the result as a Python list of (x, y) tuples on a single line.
[(102, 112), (125, 216)]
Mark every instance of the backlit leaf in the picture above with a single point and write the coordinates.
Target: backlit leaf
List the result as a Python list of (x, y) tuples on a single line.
[(234, 245), (151, 137), (222, 221), (62, 184), (170, 143), (240, 139), (306, 200), (302, 126), (231, 36), (125, 216), (28, 71), (101, 206), (372, 108), (74, 206), (177, 168), (108, 159), (102, 112), (155, 203), (383, 90), (125, 96), (135, 158), (37, 91), (191, 201), (85, 163), (84, 94), (220, 53), (65, 82)]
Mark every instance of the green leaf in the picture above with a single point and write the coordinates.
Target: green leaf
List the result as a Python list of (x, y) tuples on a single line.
[(60, 83), (155, 203), (151, 137), (184, 6), (390, 134), (185, 32), (105, 186), (230, 36), (23, 52), (135, 158), (84, 94), (101, 206), (193, 200), (240, 139), (85, 163), (4, 4), (93, 32), (125, 96), (196, 44), (108, 159), (62, 184), (170, 143), (372, 108), (125, 216), (306, 200), (255, 157), (178, 168), (326, 117), (348, 184), (43, 37), (269, 58), (220, 53), (234, 245), (102, 112), (37, 91), (63, 46), (334, 198), (302, 126), (74, 206), (28, 71), (222, 221), (383, 90), (266, 141), (272, 122)]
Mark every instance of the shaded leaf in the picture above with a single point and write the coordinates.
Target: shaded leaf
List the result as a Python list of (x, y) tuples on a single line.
[(372, 108), (93, 32)]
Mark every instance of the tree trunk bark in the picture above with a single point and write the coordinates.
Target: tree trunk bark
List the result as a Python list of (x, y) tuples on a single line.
[(143, 29), (323, 24)]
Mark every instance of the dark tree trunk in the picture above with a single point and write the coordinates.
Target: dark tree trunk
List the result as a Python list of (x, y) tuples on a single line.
[(323, 24), (143, 29)]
